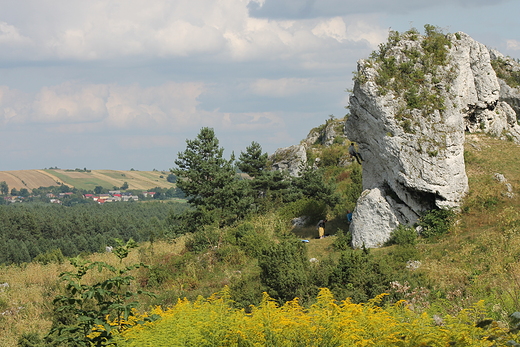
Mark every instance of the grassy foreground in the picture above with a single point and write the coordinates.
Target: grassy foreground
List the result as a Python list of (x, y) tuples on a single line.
[(214, 322), (469, 274)]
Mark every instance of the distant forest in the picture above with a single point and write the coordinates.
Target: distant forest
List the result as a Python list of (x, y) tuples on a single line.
[(50, 232)]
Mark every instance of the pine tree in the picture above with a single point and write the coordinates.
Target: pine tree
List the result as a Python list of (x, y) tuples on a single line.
[(204, 175), (252, 162)]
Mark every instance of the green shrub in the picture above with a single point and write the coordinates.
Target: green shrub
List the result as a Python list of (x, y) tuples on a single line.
[(315, 210), (88, 315), (407, 79), (505, 72), (247, 290), (207, 237), (343, 240), (331, 156), (403, 253), (285, 270), (31, 339), (436, 222), (231, 255), (158, 275), (252, 241), (53, 256), (339, 140), (403, 235), (359, 275)]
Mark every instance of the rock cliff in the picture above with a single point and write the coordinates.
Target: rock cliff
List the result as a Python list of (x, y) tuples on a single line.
[(412, 103), (292, 158)]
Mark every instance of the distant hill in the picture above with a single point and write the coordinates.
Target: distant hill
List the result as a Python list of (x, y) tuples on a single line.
[(88, 180)]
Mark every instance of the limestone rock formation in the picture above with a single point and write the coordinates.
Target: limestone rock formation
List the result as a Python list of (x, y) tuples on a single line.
[(292, 158), (411, 105)]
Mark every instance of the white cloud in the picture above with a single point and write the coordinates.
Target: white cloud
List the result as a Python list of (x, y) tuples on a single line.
[(334, 28), (110, 29), (170, 108), (104, 107), (513, 45), (282, 87), (11, 35), (70, 103)]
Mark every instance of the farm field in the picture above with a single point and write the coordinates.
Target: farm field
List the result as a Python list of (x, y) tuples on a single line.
[(31, 179)]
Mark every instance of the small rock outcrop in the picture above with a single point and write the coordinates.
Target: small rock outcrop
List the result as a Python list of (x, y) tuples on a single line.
[(292, 159), (411, 105)]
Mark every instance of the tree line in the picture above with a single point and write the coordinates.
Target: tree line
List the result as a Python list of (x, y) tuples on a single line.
[(32, 231), (77, 196)]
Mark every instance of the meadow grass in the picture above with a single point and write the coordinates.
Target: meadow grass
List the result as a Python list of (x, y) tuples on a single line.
[(478, 259)]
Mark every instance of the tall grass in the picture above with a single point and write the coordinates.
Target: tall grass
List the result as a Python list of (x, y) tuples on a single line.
[(479, 258)]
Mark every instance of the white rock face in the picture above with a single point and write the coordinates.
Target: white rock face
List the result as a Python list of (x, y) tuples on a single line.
[(411, 168), (292, 158), (371, 230)]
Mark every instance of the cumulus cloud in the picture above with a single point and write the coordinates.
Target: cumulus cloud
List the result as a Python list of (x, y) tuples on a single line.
[(102, 107), (292, 9), (10, 35), (68, 103), (334, 28), (513, 45), (170, 108), (100, 29), (283, 87)]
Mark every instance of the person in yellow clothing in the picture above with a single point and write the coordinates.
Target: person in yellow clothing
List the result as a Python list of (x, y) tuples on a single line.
[(321, 228)]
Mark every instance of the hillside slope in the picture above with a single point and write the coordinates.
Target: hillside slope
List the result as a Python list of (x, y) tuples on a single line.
[(30, 179), (478, 259)]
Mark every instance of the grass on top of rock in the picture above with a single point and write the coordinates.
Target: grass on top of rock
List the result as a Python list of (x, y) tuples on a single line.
[(409, 66)]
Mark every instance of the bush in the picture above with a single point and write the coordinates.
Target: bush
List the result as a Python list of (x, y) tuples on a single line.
[(30, 340), (171, 178), (315, 210), (403, 253), (215, 322), (403, 235), (359, 275), (436, 222), (253, 242), (54, 256), (284, 270), (343, 240), (207, 237), (89, 315), (331, 156)]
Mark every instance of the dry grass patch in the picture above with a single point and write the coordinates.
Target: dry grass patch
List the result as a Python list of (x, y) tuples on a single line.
[(26, 305)]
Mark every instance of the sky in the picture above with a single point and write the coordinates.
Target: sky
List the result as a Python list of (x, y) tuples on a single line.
[(121, 84)]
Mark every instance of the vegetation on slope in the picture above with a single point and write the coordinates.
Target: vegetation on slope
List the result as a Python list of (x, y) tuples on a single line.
[(441, 275), (215, 322), (505, 70), (46, 232)]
